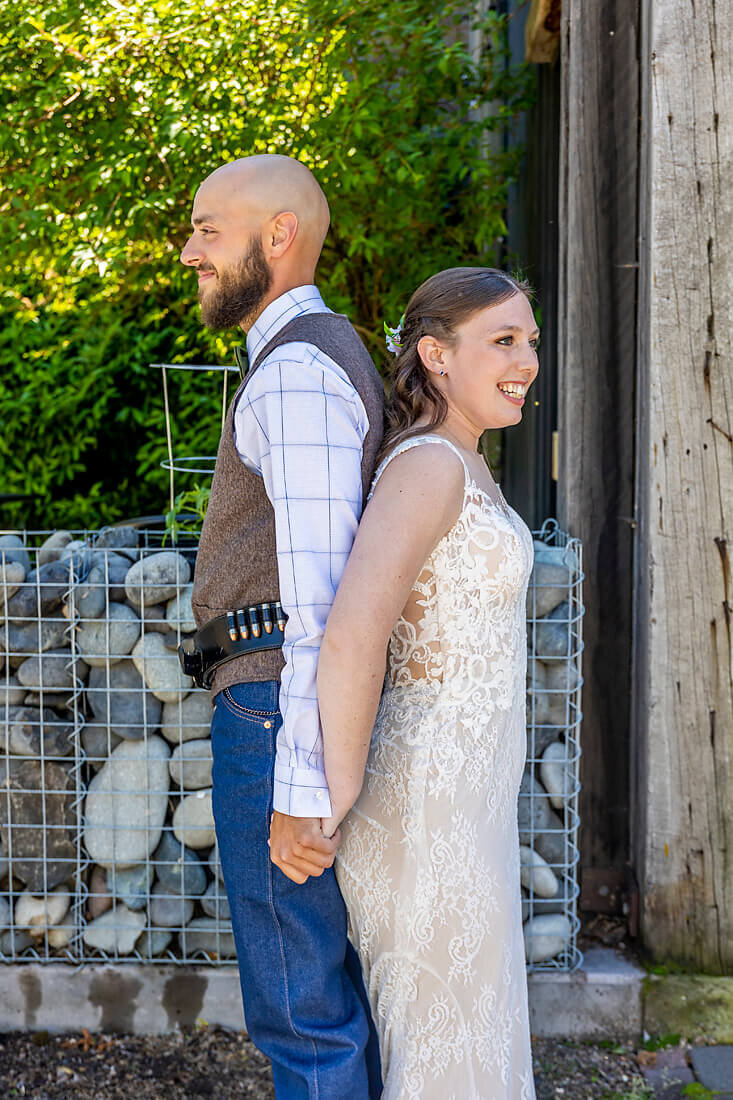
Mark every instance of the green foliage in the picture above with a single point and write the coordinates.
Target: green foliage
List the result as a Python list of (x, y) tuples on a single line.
[(187, 514), (116, 111)]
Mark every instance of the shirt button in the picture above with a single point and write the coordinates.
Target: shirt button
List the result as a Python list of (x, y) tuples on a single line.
[(319, 795)]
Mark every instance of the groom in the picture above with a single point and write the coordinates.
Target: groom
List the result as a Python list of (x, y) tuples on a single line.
[(296, 457)]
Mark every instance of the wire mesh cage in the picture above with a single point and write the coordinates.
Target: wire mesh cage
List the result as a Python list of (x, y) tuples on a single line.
[(107, 844)]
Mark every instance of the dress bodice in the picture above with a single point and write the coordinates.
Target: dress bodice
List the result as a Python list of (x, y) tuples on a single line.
[(463, 624)]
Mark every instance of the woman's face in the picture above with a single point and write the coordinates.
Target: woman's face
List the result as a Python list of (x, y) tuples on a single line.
[(492, 364)]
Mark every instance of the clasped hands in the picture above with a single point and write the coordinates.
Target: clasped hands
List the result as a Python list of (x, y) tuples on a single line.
[(302, 846)]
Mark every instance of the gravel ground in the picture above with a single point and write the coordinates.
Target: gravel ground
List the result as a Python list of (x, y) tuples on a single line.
[(223, 1065)]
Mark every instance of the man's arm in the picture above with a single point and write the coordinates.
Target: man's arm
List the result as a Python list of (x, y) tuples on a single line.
[(301, 425)]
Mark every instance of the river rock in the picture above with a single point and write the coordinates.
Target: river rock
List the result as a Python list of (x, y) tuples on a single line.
[(215, 903), (546, 936), (193, 820), (562, 675), (179, 870), (42, 591), (99, 899), (42, 858), (552, 634), (538, 703), (190, 765), (36, 636), (539, 826), (98, 743), (52, 671), (4, 914), (110, 639), (90, 597), (157, 577), (12, 693), (115, 931), (179, 612), (209, 935), (153, 942), (215, 863), (12, 575), (159, 667), (153, 618), (538, 738), (131, 885), (123, 537), (536, 875), (53, 546), (557, 773), (187, 719), (126, 804), (547, 588), (36, 914), (120, 701), (14, 942), (169, 910), (31, 735), (12, 548), (557, 555)]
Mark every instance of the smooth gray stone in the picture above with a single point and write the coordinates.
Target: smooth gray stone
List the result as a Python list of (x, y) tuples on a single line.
[(169, 910), (126, 804), (157, 577), (551, 845), (31, 735), (13, 942), (538, 907), (109, 639), (160, 668), (35, 637), (153, 942), (179, 870), (152, 618), (536, 876), (179, 611), (215, 863), (548, 587), (131, 885), (539, 738), (12, 693), (562, 675), (52, 547), (539, 826), (117, 537), (50, 701), (187, 719), (557, 555), (90, 597), (4, 913), (119, 700), (53, 671), (190, 765), (4, 864), (114, 568), (34, 793), (12, 548), (552, 637), (98, 743), (193, 820), (209, 935), (557, 773), (215, 903), (538, 702), (41, 592), (116, 931), (12, 575), (546, 936)]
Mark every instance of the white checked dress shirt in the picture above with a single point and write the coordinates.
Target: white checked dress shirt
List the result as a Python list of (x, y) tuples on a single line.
[(300, 425)]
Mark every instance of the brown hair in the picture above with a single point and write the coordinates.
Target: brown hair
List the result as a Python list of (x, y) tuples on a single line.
[(436, 309)]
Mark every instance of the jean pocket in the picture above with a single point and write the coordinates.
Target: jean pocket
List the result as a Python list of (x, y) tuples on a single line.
[(240, 711)]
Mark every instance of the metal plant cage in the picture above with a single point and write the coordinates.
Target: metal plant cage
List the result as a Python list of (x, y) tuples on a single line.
[(107, 845)]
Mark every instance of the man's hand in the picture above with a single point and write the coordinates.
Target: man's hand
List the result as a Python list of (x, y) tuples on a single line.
[(299, 848)]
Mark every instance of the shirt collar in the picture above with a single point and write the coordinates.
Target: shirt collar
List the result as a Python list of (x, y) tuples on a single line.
[(293, 303)]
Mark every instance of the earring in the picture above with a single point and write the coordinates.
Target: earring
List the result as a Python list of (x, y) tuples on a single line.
[(442, 373)]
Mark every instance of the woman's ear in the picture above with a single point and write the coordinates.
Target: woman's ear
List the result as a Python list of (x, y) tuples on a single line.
[(432, 354)]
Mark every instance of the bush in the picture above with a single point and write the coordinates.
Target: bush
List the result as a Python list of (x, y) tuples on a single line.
[(118, 111)]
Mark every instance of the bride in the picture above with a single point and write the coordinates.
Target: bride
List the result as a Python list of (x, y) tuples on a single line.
[(424, 783)]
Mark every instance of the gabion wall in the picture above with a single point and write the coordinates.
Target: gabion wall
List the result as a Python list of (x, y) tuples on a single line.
[(107, 845)]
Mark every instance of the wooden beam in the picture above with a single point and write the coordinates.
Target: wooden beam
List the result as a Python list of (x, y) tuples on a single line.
[(542, 31), (683, 695)]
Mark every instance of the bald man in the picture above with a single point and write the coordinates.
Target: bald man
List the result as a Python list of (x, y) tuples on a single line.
[(296, 458)]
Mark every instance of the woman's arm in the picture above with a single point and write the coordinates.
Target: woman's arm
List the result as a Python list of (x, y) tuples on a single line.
[(417, 500)]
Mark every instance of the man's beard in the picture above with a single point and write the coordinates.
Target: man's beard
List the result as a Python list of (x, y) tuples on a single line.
[(237, 294)]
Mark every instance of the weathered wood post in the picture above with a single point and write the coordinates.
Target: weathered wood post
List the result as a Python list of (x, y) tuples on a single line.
[(683, 707)]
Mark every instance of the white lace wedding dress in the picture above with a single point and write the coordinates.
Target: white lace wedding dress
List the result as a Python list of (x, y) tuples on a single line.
[(429, 860)]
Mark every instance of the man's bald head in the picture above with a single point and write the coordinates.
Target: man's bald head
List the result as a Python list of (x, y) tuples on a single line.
[(259, 224)]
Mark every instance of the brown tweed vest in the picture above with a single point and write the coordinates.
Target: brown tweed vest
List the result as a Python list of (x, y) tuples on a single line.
[(236, 563)]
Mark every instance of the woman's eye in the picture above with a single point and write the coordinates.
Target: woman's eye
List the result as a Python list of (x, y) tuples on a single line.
[(504, 339), (535, 342)]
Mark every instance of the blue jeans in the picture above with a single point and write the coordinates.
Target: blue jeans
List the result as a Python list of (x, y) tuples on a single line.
[(304, 1000)]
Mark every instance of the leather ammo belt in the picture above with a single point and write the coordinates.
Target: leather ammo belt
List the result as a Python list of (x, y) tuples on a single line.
[(233, 634)]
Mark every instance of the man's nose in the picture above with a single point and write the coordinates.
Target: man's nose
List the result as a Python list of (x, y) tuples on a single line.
[(190, 255)]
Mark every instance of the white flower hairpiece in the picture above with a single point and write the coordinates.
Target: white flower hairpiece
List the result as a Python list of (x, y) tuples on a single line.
[(393, 336)]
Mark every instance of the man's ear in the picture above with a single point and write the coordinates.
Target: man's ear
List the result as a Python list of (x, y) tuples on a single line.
[(282, 232), (432, 354)]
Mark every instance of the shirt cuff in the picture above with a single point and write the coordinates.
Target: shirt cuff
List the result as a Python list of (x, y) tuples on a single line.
[(301, 792)]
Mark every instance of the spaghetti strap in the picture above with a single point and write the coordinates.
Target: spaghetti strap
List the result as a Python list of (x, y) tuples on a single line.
[(417, 441)]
